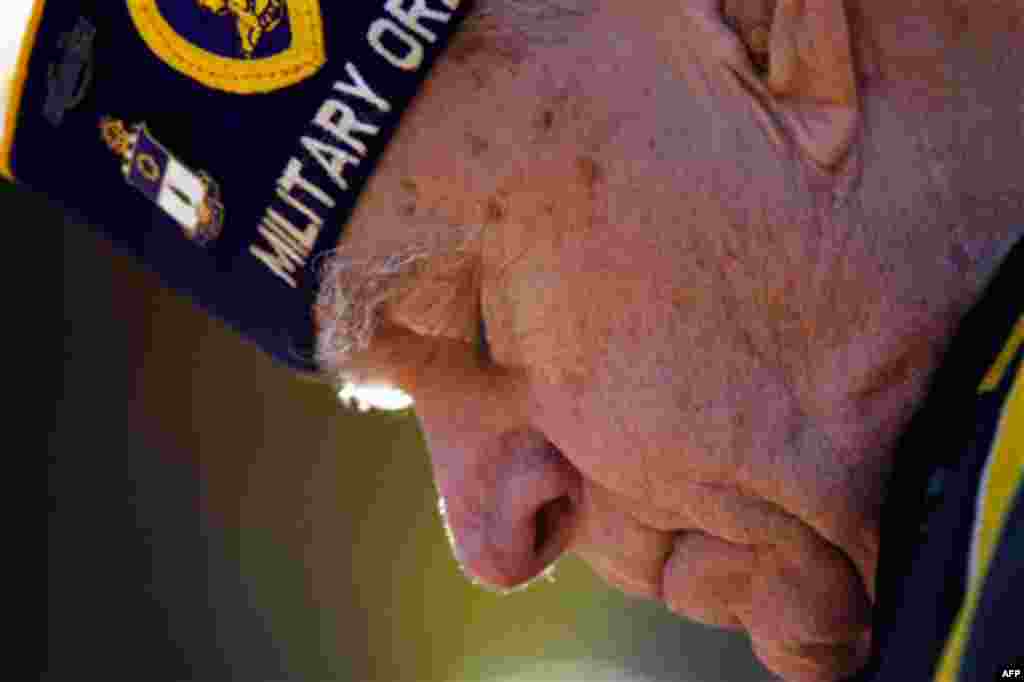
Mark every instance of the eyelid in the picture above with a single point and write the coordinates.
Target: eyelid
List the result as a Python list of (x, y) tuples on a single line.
[(483, 344)]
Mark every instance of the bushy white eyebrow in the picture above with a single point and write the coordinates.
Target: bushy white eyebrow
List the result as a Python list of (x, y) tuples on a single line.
[(351, 295)]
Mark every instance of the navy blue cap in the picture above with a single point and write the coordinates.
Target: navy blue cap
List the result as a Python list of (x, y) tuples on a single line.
[(224, 143)]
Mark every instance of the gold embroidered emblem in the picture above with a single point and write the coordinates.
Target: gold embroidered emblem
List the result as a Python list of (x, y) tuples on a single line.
[(253, 18), (238, 46), (192, 199)]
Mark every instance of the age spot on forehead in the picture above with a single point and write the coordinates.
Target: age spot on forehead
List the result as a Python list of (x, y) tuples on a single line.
[(495, 211), (547, 119), (477, 144), (590, 171)]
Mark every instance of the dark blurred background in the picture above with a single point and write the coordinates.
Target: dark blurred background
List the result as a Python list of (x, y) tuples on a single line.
[(213, 518)]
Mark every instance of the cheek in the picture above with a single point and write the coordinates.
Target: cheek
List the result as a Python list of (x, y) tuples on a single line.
[(537, 319), (599, 346)]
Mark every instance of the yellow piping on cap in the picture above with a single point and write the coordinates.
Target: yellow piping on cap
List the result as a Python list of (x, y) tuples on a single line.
[(12, 84)]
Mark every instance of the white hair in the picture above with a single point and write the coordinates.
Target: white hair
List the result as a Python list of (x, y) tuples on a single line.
[(351, 294), (353, 291)]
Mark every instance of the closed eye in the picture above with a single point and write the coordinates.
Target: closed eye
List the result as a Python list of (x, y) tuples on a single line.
[(483, 346)]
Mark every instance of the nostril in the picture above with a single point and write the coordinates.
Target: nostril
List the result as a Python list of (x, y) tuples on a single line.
[(514, 509), (551, 524)]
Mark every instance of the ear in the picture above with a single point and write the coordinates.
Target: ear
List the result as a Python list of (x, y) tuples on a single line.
[(806, 69)]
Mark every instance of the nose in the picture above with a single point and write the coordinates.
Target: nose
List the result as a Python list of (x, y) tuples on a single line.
[(511, 516)]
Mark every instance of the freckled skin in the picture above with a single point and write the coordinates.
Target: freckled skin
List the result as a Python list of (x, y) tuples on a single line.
[(705, 341)]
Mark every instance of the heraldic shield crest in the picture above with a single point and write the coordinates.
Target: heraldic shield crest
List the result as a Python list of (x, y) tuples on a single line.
[(239, 46)]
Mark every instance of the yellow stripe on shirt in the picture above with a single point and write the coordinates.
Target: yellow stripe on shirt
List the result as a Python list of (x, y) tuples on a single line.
[(998, 368), (1000, 483)]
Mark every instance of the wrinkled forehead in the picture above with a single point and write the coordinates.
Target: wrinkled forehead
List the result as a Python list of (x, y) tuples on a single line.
[(549, 133)]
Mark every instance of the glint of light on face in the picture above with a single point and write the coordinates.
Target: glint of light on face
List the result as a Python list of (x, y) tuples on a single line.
[(365, 397)]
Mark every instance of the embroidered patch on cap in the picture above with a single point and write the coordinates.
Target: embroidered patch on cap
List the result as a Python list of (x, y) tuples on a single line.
[(190, 198), (223, 143), (240, 46)]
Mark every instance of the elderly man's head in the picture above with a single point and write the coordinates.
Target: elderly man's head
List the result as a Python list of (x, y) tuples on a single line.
[(716, 250)]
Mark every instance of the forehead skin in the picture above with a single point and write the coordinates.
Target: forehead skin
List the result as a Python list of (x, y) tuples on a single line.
[(527, 147), (720, 339)]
